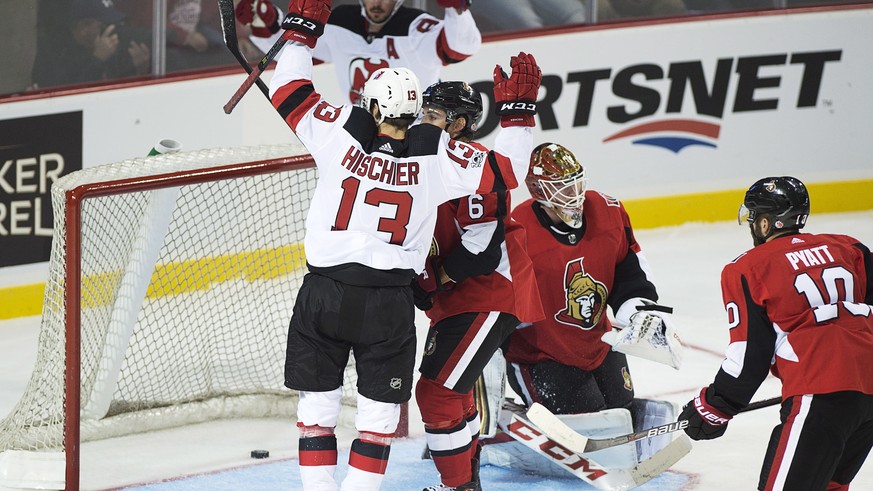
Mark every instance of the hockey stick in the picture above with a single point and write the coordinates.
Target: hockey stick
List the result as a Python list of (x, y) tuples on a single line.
[(762, 403), (587, 469), (578, 443), (228, 28), (254, 75)]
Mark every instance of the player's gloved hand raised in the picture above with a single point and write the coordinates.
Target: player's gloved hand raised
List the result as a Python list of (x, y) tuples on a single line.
[(707, 414), (516, 95), (305, 21), (261, 15), (459, 5)]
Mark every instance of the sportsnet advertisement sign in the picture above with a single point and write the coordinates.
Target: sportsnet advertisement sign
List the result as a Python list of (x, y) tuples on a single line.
[(682, 107)]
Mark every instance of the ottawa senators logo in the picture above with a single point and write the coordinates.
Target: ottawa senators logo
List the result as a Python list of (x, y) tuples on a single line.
[(628, 383), (434, 248), (586, 298), (430, 346)]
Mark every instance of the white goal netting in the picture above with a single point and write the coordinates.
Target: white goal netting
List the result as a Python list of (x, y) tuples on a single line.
[(187, 289)]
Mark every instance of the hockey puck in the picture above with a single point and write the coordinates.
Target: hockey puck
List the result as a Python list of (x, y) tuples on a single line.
[(260, 454)]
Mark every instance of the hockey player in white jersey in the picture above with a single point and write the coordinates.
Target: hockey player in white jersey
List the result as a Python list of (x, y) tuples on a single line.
[(358, 40), (368, 231)]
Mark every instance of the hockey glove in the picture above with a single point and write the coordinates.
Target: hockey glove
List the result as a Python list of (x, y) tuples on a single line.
[(707, 414), (516, 95), (261, 15), (649, 334), (428, 284), (305, 21), (459, 5)]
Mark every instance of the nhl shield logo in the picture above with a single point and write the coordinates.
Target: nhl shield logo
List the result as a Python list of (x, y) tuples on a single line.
[(396, 383)]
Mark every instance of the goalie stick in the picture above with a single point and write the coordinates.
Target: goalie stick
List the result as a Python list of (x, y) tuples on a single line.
[(566, 436), (590, 471), (228, 28)]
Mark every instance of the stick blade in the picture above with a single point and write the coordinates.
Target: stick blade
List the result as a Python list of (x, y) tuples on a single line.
[(662, 460), (557, 429)]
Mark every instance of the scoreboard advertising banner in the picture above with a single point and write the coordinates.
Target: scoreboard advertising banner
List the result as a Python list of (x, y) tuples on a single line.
[(694, 106), (34, 152)]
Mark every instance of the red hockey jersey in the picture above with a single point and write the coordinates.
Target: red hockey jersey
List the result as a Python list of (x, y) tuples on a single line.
[(511, 288), (798, 305), (578, 276)]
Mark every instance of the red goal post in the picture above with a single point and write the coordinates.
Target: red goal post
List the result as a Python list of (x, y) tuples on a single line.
[(171, 284)]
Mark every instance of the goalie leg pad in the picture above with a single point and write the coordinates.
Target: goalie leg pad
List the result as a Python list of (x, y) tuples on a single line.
[(488, 394), (513, 455), (649, 413), (608, 423)]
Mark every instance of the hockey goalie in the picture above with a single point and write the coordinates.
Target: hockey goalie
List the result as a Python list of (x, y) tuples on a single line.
[(574, 362)]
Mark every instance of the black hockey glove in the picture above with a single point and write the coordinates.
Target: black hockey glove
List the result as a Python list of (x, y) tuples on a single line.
[(422, 299), (707, 414)]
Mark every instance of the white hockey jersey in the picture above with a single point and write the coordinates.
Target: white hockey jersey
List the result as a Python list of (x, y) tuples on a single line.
[(412, 39), (376, 198)]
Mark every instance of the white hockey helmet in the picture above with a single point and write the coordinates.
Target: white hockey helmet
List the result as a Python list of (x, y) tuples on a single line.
[(395, 90)]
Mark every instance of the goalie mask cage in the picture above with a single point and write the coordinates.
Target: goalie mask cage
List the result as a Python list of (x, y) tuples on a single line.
[(171, 284)]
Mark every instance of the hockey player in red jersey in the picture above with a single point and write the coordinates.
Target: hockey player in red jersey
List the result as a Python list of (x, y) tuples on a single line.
[(573, 362), (368, 232), (798, 305), (585, 258), (476, 248), (360, 39)]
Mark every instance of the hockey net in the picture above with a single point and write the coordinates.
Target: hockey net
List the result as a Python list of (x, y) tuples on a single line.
[(172, 281)]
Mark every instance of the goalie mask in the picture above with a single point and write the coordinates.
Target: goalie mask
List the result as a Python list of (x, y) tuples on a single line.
[(456, 99), (557, 180), (784, 200), (395, 90)]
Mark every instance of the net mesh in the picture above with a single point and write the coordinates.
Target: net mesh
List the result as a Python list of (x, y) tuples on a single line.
[(186, 294)]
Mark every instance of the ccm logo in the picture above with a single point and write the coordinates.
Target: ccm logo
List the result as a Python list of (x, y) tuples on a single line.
[(519, 106), (298, 21)]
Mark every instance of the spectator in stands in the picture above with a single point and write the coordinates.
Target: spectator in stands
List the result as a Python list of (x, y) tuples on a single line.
[(194, 38), (95, 45), (528, 14)]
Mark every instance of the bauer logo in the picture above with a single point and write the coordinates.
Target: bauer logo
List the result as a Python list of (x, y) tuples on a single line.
[(34, 153)]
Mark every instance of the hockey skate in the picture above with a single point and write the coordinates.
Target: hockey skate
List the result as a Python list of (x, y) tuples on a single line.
[(473, 485)]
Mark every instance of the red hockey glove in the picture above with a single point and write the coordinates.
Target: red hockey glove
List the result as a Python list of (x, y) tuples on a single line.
[(516, 95), (261, 15), (305, 21), (460, 5), (707, 416), (428, 284)]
